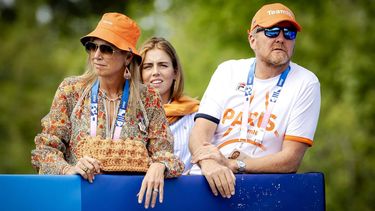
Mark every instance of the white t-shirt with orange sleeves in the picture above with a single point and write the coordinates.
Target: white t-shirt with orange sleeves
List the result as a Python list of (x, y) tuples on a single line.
[(294, 116)]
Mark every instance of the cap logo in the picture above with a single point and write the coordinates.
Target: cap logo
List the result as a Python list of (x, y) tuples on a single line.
[(276, 12), (108, 22)]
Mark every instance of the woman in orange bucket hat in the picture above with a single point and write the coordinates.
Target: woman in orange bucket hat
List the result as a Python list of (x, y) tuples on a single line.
[(107, 121)]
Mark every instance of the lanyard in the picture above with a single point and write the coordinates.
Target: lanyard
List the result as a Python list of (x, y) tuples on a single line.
[(120, 119), (272, 101)]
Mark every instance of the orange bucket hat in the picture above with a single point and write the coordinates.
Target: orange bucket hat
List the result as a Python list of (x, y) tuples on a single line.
[(271, 14), (119, 30)]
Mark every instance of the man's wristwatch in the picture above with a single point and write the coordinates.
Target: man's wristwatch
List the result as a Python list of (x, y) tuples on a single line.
[(241, 166)]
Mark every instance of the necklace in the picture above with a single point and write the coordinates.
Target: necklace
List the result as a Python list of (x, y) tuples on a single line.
[(107, 98)]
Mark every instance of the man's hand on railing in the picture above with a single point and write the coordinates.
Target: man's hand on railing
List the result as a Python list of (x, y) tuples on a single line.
[(209, 151), (219, 177)]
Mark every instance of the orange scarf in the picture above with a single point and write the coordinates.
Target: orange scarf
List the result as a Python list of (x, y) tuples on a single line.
[(178, 108)]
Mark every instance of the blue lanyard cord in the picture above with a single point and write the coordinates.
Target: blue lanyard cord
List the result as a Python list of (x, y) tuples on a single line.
[(94, 92), (120, 119), (250, 81), (273, 99), (251, 76), (124, 104)]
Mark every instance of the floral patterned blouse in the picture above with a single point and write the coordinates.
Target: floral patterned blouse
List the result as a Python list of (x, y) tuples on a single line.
[(68, 122)]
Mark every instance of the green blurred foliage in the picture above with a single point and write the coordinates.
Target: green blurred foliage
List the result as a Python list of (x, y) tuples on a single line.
[(40, 46)]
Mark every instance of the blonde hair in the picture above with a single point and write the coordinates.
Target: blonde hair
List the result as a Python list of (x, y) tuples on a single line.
[(177, 88)]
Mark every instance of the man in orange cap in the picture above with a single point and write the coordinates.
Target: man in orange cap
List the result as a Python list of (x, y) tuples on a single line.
[(258, 114)]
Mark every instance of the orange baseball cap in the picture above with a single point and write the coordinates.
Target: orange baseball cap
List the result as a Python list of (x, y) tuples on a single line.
[(119, 30), (271, 14)]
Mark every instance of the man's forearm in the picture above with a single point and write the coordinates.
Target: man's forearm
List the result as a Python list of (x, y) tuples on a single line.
[(201, 134), (195, 142), (285, 161)]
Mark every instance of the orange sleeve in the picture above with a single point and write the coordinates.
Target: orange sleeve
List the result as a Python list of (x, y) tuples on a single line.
[(299, 139)]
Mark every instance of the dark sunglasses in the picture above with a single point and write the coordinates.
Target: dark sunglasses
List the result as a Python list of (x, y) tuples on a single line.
[(289, 33), (104, 49)]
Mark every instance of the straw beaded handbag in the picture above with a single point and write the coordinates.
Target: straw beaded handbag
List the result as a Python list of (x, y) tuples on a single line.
[(120, 155)]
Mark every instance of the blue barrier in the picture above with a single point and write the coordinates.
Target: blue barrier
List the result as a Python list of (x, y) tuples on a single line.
[(34, 192), (118, 192)]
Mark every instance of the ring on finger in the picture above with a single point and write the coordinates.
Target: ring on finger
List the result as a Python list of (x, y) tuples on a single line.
[(156, 190)]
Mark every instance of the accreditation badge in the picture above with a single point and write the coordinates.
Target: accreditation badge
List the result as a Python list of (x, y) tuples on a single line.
[(238, 154), (259, 135)]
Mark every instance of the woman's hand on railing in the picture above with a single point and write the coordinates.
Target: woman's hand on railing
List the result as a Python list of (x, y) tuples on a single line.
[(87, 167), (152, 185)]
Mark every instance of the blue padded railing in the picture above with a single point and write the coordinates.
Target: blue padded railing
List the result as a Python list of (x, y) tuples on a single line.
[(118, 192)]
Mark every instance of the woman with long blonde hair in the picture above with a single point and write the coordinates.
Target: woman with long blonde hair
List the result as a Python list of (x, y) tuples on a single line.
[(107, 121), (162, 69)]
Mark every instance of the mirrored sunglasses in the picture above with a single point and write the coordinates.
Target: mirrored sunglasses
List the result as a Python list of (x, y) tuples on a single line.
[(104, 49), (289, 33)]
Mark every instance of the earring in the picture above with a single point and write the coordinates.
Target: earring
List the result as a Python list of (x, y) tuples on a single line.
[(127, 74)]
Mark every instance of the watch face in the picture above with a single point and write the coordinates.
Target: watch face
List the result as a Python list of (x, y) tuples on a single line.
[(241, 166)]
